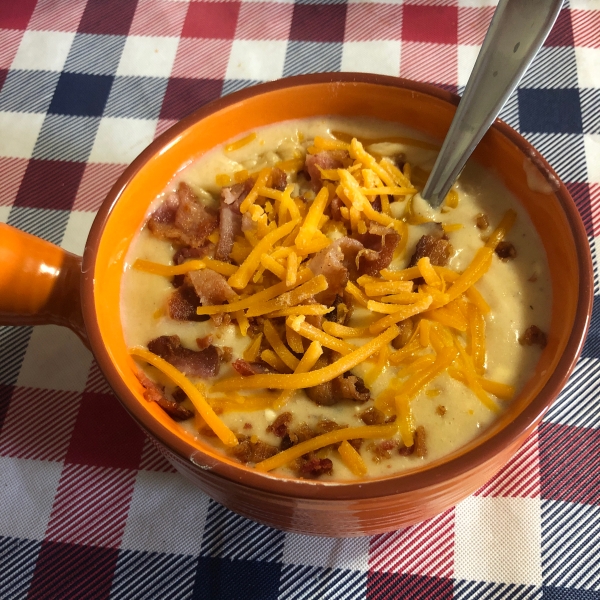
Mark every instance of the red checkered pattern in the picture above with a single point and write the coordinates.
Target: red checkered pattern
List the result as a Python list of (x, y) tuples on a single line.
[(88, 507)]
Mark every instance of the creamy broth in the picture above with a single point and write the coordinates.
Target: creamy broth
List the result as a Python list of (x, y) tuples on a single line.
[(518, 292)]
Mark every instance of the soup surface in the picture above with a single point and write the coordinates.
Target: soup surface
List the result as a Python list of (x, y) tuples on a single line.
[(305, 248)]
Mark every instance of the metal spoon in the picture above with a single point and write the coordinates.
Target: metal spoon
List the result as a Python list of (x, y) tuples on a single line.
[(517, 30)]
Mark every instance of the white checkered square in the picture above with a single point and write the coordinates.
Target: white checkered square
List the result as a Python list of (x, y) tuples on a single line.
[(148, 56), (588, 67), (4, 212), (77, 230), (166, 514), (381, 57), (338, 553), (43, 50), (257, 60), (467, 55), (55, 360), (27, 489), (121, 140), (592, 157), (19, 133), (498, 539)]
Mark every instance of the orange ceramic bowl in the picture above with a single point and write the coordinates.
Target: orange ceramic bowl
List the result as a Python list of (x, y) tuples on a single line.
[(309, 507)]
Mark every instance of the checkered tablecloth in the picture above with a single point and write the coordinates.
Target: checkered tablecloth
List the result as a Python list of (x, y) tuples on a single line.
[(88, 509)]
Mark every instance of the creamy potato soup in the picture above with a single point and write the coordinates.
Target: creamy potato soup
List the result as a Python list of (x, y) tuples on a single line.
[(292, 301)]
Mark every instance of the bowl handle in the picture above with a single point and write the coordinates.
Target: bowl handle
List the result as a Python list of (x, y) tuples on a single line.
[(39, 283)]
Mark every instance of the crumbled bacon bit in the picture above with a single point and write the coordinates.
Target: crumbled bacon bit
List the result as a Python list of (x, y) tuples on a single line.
[(438, 249), (327, 425), (379, 245), (155, 393), (279, 179), (194, 364), (188, 252), (372, 416), (441, 410), (183, 303), (506, 251), (230, 217), (406, 330), (534, 335), (482, 222), (419, 447), (356, 444), (314, 466), (247, 425), (382, 450), (183, 219), (204, 342), (226, 354), (248, 451), (351, 387), (279, 426), (337, 263), (300, 434), (329, 159), (211, 287), (245, 368)]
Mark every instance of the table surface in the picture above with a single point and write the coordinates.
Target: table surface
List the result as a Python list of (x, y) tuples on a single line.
[(88, 508)]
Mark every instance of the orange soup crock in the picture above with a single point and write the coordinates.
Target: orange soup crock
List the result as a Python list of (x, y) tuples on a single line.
[(65, 290)]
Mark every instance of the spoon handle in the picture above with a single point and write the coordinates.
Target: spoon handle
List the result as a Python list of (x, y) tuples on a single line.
[(517, 30)]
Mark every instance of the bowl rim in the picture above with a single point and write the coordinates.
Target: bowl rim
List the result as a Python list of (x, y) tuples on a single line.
[(518, 429)]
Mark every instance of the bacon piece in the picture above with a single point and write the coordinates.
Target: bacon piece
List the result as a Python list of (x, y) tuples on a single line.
[(436, 247), (279, 426), (373, 416), (379, 245), (212, 288), (203, 363), (230, 217), (300, 434), (419, 447), (329, 159), (382, 450), (314, 466), (534, 335), (188, 252), (482, 221), (334, 209), (245, 368), (406, 330), (344, 387), (279, 179), (506, 251), (183, 303), (204, 342), (248, 451), (182, 219), (155, 393), (337, 263), (351, 387)]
